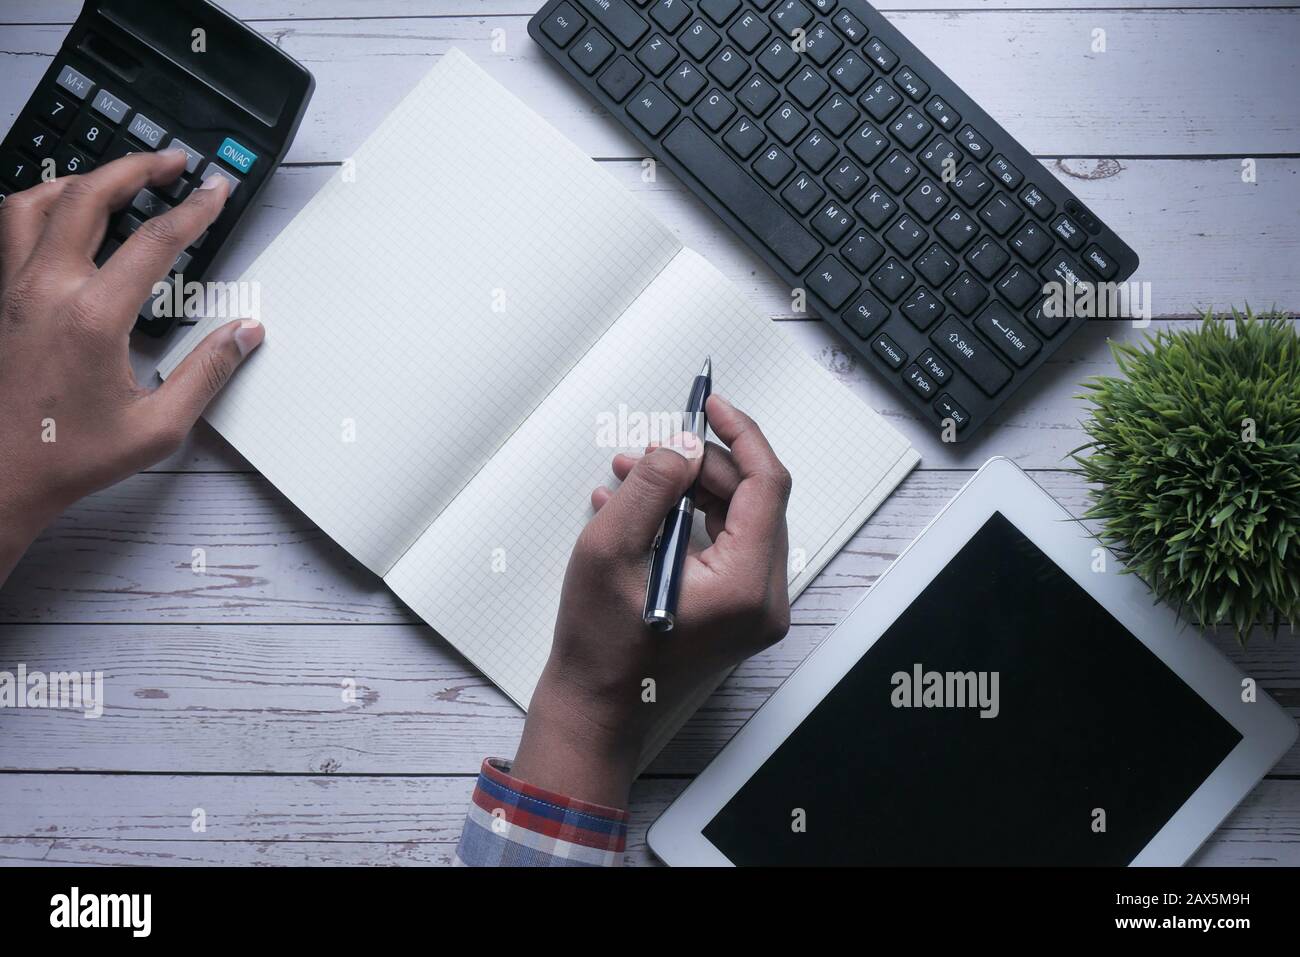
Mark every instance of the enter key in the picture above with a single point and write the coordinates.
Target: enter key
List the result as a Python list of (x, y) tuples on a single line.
[(1008, 334)]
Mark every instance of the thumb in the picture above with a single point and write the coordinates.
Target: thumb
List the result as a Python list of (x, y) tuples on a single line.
[(629, 521), (201, 374)]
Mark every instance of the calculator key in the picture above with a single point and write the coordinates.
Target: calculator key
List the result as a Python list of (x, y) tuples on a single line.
[(926, 199), (876, 207), (1068, 231), (816, 149), (75, 83), (110, 106), (958, 229), (807, 88), (69, 162), (786, 123), (910, 128), (821, 44), (146, 131), (714, 110), (867, 143), (936, 264), (1006, 332), (942, 113), (922, 308), (837, 115), (699, 39), (176, 189), (1037, 203), (213, 169), (201, 240), (880, 100), (33, 139), (757, 95), (1100, 261), (972, 142), (850, 26), (919, 381), (866, 314), (149, 204), (192, 156), (970, 355), (906, 236), (669, 14), (656, 55), (986, 257), (803, 194), (832, 223), (773, 166), (652, 109), (911, 84), (850, 71), (862, 250), (948, 408), (891, 279), (937, 370), (182, 262), (1031, 242), (778, 59), (20, 172), (685, 81), (90, 135), (719, 11), (620, 79), (106, 251), (591, 52), (748, 32), (618, 18), (832, 282), (889, 350), (966, 293), (563, 24), (125, 223), (881, 55), (1000, 214), (727, 67), (897, 171), (54, 110), (1018, 286), (845, 180), (1004, 172), (121, 146)]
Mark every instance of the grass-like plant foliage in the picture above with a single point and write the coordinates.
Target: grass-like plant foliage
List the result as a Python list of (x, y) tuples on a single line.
[(1195, 455)]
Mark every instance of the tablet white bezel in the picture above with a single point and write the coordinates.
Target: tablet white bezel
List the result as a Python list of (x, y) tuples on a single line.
[(999, 486)]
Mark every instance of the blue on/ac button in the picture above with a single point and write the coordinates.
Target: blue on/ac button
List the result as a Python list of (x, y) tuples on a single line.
[(237, 155)]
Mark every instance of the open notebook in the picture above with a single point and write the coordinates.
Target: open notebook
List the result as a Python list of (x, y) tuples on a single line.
[(448, 335)]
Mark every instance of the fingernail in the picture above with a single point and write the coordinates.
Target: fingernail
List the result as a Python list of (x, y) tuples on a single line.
[(249, 336), (633, 454), (213, 181), (685, 444), (174, 152)]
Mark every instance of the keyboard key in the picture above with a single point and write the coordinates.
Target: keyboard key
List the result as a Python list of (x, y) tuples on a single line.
[(911, 84), (34, 139), (685, 81), (591, 52), (791, 15), (821, 44), (146, 131), (20, 172), (971, 356), (748, 32), (149, 204), (620, 79), (786, 123), (958, 229), (70, 162), (656, 55), (832, 282), (942, 113), (880, 100), (90, 134), (110, 106), (966, 294), (773, 166), (1100, 262), (1005, 331), (850, 71), (699, 39), (1004, 172), (1000, 214), (910, 128), (1068, 231), (563, 25), (906, 236), (922, 308), (803, 194), (53, 110), (669, 14), (837, 115), (1040, 320), (881, 55), (919, 381), (719, 11), (652, 109), (889, 350), (807, 88), (1018, 286), (778, 59), (972, 142), (816, 149), (876, 207), (727, 67), (935, 265), (1037, 203), (987, 257), (891, 279), (832, 223), (1031, 242), (862, 250), (1060, 268), (75, 83), (897, 171), (867, 143), (845, 180), (744, 137), (866, 314), (926, 199), (714, 110), (939, 371), (736, 190), (618, 18), (757, 95), (850, 26), (971, 185), (947, 408)]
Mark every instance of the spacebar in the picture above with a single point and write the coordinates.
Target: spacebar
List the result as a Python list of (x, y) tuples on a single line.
[(742, 196)]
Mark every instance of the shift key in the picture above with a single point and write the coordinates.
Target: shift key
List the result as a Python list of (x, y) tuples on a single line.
[(618, 18), (970, 355)]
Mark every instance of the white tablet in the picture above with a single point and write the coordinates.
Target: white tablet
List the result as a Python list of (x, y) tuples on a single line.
[(1002, 695)]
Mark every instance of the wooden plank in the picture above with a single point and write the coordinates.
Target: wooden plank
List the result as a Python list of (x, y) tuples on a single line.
[(104, 819), (1149, 94)]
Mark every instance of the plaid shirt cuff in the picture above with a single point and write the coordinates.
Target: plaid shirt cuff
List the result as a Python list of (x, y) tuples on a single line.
[(513, 824)]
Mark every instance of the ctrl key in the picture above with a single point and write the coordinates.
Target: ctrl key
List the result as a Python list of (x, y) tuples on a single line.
[(888, 350), (947, 408)]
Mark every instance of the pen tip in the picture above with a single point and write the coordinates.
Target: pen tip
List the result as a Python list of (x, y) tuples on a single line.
[(707, 370)]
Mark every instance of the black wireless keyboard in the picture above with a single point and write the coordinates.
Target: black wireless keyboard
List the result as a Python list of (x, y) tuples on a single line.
[(138, 75), (917, 226)]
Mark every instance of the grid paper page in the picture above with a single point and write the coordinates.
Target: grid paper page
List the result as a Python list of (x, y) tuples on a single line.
[(425, 308), (528, 504)]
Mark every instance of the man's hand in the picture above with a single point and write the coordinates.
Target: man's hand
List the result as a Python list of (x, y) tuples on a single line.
[(73, 418), (589, 718)]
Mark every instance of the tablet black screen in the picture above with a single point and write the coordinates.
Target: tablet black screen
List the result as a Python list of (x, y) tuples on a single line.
[(1090, 746)]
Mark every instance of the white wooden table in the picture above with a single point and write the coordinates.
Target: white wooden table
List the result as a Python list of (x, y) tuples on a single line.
[(224, 689)]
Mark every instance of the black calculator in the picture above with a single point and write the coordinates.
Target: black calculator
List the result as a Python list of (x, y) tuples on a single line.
[(139, 75)]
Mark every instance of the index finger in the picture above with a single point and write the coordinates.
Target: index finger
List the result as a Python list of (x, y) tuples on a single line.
[(756, 514), (79, 217)]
